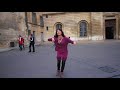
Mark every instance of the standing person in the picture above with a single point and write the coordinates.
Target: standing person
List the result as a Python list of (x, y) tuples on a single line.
[(32, 42), (20, 42), (61, 43)]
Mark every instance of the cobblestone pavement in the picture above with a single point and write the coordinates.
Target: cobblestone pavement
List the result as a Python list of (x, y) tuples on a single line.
[(85, 60)]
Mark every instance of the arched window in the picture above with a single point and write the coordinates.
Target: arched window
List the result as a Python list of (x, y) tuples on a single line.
[(83, 28), (58, 26)]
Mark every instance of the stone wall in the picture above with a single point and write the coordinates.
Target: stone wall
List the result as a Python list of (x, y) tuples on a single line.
[(70, 22), (12, 24), (35, 28), (97, 25)]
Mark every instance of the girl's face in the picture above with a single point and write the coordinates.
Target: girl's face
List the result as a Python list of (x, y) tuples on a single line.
[(59, 32)]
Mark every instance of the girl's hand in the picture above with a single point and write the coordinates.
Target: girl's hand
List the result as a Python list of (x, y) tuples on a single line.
[(53, 39), (74, 43)]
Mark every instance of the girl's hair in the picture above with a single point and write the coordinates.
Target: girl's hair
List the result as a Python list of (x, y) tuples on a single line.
[(57, 35)]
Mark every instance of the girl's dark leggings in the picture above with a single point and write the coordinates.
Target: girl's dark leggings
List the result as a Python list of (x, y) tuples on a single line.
[(59, 61)]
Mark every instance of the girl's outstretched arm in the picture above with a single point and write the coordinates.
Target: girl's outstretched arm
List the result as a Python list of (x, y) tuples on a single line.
[(51, 39), (70, 41)]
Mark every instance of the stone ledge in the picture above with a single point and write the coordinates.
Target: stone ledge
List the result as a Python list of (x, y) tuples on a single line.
[(7, 49)]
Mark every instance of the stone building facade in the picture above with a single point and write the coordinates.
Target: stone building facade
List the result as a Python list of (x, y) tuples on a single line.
[(12, 24), (77, 25), (33, 25), (83, 25)]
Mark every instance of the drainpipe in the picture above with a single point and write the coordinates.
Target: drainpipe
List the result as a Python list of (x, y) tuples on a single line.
[(26, 21)]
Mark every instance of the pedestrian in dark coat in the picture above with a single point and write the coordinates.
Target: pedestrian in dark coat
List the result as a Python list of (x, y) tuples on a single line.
[(31, 43)]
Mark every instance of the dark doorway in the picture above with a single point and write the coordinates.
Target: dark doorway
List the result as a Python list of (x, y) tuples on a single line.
[(109, 33), (110, 29)]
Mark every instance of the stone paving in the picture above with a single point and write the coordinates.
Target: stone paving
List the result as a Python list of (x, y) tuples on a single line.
[(85, 60)]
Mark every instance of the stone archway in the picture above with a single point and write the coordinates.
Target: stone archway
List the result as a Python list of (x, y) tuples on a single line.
[(58, 25)]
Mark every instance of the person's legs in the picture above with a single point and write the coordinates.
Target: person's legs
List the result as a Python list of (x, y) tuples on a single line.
[(33, 47), (58, 65), (30, 47), (62, 67), (20, 46)]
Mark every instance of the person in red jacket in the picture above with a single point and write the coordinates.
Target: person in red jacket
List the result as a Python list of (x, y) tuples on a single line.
[(20, 41), (61, 42)]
